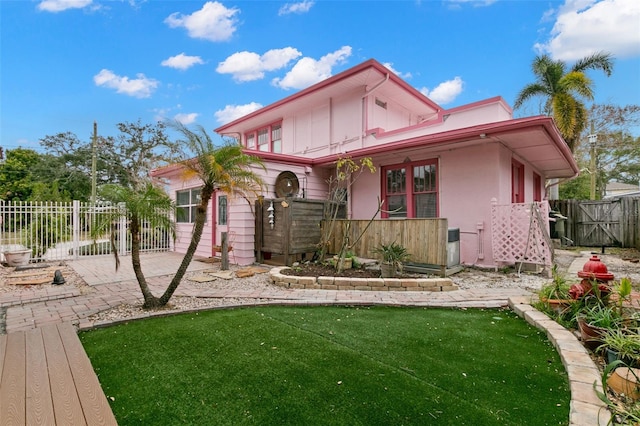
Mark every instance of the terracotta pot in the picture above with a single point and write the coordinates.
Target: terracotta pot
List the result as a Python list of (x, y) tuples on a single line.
[(625, 380), (591, 335), (557, 305)]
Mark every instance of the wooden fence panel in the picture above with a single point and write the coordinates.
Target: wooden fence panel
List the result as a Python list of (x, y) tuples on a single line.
[(296, 226), (424, 239), (612, 222)]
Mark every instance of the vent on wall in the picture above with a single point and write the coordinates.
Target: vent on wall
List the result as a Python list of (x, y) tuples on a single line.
[(381, 104), (287, 185)]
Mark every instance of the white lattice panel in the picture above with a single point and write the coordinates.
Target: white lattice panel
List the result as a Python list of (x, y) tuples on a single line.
[(519, 233)]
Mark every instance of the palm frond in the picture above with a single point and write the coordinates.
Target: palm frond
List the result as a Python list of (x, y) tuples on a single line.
[(598, 61)]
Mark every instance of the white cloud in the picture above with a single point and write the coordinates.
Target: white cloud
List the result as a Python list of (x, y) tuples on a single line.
[(232, 112), (182, 61), (140, 87), (444, 92), (186, 118), (301, 7), (308, 71), (584, 27), (389, 66), (61, 5), (213, 22), (249, 66)]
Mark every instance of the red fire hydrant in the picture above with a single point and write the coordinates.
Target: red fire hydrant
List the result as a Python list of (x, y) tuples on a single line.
[(592, 271)]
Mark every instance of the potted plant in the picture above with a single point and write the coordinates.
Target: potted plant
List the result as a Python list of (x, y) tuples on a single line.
[(594, 321), (621, 344), (556, 293), (393, 256), (346, 263)]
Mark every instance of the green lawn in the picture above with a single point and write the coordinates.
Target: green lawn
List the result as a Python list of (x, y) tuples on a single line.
[(331, 366)]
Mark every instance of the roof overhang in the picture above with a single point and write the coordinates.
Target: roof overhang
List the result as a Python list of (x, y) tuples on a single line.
[(535, 140)]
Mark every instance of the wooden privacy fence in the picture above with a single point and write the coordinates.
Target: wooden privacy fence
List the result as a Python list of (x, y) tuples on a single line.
[(288, 227), (424, 239), (602, 223)]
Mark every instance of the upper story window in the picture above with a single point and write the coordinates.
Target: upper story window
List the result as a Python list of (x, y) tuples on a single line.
[(186, 203), (266, 139)]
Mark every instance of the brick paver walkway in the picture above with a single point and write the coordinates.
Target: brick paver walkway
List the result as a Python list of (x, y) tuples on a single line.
[(110, 289)]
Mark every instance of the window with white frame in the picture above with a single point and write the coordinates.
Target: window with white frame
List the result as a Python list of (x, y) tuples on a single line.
[(186, 203), (266, 139)]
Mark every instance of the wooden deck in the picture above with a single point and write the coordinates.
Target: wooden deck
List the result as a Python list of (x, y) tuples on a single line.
[(46, 378)]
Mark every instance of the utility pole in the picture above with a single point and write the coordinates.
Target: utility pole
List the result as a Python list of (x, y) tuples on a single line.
[(94, 148), (592, 166)]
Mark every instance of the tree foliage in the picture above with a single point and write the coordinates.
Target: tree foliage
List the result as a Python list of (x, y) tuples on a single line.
[(145, 204), (16, 174), (226, 168), (617, 151), (564, 90), (125, 159)]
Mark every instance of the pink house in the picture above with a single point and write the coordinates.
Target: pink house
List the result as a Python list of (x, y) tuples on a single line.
[(475, 164)]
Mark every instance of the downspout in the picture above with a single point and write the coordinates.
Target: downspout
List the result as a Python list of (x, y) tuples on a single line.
[(365, 118), (330, 124)]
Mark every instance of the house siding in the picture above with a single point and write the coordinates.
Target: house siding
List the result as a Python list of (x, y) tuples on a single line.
[(367, 111)]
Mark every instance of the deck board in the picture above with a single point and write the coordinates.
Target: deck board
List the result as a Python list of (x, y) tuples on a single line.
[(39, 406), (66, 404), (12, 395), (94, 403), (46, 378)]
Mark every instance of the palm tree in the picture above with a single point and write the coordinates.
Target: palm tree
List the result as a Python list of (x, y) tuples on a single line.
[(226, 168), (148, 204), (563, 91)]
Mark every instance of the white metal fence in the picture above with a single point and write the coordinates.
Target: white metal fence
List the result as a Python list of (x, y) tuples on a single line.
[(59, 231)]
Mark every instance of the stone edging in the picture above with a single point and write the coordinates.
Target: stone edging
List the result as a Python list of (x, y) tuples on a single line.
[(586, 408), (366, 284)]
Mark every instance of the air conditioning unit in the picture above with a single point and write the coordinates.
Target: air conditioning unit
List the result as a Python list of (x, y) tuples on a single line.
[(453, 247)]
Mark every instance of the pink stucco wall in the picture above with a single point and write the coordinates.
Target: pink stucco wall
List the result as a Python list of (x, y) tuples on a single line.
[(469, 179)]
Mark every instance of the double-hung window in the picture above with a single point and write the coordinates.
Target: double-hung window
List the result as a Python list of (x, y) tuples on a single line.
[(186, 203), (266, 139), (411, 190)]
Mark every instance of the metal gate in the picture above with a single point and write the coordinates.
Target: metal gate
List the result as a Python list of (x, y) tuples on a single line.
[(62, 231)]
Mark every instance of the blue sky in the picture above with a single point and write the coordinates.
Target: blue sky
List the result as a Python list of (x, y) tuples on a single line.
[(67, 63)]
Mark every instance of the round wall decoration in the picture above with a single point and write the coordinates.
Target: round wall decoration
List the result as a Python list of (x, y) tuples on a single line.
[(287, 185)]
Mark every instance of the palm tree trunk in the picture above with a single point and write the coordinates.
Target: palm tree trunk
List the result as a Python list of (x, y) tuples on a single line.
[(150, 301), (198, 227)]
